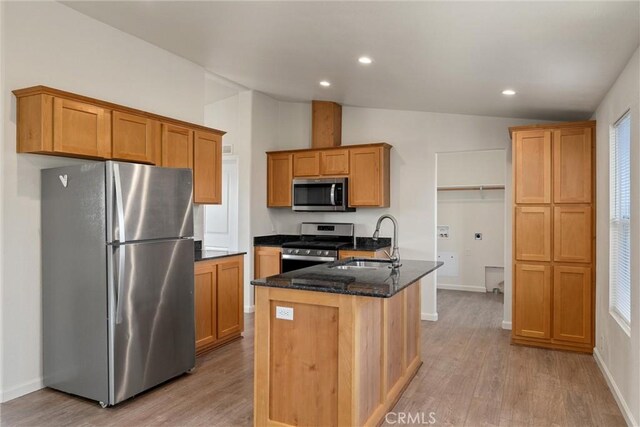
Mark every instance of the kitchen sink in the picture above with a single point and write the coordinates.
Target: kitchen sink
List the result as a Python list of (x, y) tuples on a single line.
[(363, 265)]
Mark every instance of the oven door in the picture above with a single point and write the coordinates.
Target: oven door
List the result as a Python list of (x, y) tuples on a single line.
[(329, 194), (296, 262)]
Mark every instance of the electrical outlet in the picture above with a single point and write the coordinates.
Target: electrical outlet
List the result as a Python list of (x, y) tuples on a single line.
[(478, 236), (284, 313)]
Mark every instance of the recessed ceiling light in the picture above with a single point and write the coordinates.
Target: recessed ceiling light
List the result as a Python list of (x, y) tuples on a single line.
[(365, 60), (325, 83), (509, 92)]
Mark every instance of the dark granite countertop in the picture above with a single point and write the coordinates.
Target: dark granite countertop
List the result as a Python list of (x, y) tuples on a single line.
[(275, 240), (208, 254), (381, 283)]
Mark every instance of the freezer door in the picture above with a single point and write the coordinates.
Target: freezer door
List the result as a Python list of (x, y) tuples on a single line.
[(148, 202), (152, 332)]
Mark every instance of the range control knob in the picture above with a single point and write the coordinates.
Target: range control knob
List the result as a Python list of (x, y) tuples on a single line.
[(326, 253), (308, 251), (295, 251)]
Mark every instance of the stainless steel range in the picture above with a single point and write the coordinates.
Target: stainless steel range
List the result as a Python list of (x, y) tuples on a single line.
[(319, 243)]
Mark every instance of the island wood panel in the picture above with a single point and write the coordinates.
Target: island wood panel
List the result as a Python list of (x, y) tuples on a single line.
[(304, 366), (368, 358), (572, 165), (532, 233), (279, 178), (361, 396), (132, 138), (334, 162), (572, 303), (306, 164), (572, 233), (81, 128), (412, 339)]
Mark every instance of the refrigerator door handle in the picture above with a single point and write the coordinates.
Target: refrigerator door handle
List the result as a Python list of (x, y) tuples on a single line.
[(119, 205), (121, 263), (121, 237)]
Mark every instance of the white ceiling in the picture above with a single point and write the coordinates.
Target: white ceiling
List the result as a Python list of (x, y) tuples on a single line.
[(452, 57)]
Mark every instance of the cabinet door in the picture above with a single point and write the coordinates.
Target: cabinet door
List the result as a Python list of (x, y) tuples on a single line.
[(266, 262), (229, 298), (532, 293), (177, 146), (279, 177), (365, 183), (81, 129), (334, 162), (533, 233), (306, 164), (532, 163), (205, 303), (132, 138), (207, 168), (572, 233), (572, 304), (572, 159)]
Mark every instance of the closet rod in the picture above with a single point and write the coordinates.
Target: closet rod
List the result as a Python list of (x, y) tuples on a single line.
[(471, 187)]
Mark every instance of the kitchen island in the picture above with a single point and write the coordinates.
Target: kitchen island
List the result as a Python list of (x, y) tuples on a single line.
[(334, 344)]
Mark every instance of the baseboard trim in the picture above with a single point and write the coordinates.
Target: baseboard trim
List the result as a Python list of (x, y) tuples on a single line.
[(506, 325), (21, 390), (626, 412), (432, 317), (249, 308), (465, 288)]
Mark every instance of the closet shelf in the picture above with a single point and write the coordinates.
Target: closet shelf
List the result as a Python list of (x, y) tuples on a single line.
[(471, 187)]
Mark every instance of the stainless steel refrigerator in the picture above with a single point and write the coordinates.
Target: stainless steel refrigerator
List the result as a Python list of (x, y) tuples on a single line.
[(117, 276)]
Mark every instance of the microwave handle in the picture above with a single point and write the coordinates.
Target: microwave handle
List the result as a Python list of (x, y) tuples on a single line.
[(333, 194)]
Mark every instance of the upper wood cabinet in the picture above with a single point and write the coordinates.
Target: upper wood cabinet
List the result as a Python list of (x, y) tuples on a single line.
[(532, 165), (533, 233), (366, 166), (207, 168), (532, 297), (132, 138), (572, 165), (334, 162), (279, 178), (177, 146), (218, 301), (572, 234), (369, 176), (54, 122), (306, 163), (266, 261), (572, 301)]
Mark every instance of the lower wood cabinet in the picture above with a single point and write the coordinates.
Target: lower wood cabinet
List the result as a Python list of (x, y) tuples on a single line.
[(218, 300), (553, 306), (266, 261), (364, 254)]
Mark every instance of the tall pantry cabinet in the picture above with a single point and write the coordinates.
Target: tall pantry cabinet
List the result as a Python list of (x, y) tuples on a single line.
[(554, 235)]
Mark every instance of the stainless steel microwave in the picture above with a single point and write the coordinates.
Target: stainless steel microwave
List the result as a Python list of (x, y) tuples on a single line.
[(321, 195)]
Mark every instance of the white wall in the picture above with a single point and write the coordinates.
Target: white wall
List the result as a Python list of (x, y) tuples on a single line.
[(48, 43), (416, 138), (618, 353), (2, 143)]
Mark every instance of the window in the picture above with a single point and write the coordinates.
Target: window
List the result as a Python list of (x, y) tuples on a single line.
[(620, 221)]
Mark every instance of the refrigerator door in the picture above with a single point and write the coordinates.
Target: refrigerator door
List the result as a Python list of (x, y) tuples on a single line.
[(148, 202), (152, 332)]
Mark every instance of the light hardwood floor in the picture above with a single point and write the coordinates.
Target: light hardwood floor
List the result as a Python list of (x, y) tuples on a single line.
[(471, 376)]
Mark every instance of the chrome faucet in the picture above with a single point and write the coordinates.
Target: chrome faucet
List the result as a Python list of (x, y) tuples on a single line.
[(395, 253)]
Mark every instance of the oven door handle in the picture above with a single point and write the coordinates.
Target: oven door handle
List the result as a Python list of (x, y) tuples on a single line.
[(308, 258)]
